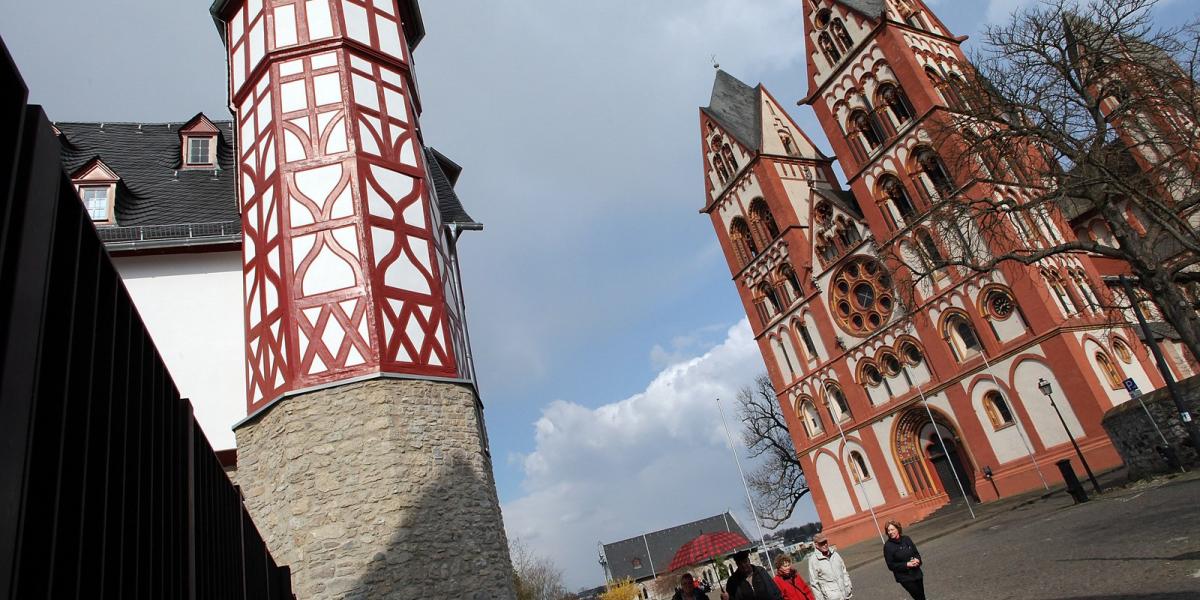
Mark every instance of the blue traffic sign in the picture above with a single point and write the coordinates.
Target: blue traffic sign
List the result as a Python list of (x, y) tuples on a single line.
[(1130, 385)]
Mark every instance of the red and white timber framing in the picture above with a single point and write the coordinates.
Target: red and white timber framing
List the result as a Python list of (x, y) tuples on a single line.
[(345, 262)]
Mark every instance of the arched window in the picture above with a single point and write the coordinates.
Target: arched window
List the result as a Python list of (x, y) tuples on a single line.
[(958, 90), (765, 290), (719, 165), (727, 153), (1060, 292), (807, 339), (832, 54), (843, 36), (1085, 289), (828, 251), (743, 243), (890, 364), (858, 467), (997, 410), (911, 353), (897, 103), (788, 274), (930, 249), (894, 190), (938, 82), (1115, 380), (789, 145), (865, 125), (848, 234), (961, 337), (839, 408), (810, 417), (870, 375), (764, 223), (931, 165), (1122, 350)]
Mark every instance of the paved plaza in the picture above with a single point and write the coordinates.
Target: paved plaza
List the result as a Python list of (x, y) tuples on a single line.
[(1139, 542)]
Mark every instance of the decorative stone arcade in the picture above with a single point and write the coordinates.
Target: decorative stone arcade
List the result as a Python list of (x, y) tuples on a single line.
[(363, 458)]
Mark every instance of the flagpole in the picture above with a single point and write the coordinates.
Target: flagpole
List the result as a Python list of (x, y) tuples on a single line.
[(753, 511)]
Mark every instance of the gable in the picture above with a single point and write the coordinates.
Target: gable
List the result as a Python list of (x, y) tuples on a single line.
[(199, 125), (95, 170), (775, 120)]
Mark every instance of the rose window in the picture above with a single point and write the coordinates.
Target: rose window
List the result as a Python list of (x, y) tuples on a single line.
[(862, 297)]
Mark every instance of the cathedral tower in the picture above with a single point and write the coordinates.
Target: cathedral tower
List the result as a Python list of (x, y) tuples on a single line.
[(857, 348), (364, 456)]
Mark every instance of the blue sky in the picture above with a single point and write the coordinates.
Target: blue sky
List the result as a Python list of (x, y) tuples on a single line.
[(603, 317)]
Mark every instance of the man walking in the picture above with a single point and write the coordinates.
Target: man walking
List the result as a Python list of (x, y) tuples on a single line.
[(749, 582), (827, 575)]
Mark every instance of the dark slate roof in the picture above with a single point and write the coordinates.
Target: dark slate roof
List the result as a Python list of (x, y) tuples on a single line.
[(154, 189), (735, 106), (843, 199), (663, 546), (445, 174), (871, 8)]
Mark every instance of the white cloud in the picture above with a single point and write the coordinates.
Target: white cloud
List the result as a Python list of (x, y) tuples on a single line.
[(655, 459)]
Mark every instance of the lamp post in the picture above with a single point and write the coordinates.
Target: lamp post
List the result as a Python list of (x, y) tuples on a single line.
[(1047, 390)]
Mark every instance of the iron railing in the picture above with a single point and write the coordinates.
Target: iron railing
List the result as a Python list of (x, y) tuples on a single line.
[(175, 232), (108, 488)]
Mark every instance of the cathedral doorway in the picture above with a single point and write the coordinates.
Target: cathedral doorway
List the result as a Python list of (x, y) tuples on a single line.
[(929, 465)]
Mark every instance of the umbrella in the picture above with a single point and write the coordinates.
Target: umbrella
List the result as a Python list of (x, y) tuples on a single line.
[(707, 546)]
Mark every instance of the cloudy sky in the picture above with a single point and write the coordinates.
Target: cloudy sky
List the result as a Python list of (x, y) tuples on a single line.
[(602, 314)]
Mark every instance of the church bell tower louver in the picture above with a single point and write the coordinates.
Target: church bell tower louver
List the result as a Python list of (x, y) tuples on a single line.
[(364, 457)]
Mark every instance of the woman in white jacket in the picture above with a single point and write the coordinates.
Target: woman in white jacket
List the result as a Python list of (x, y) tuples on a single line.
[(827, 575)]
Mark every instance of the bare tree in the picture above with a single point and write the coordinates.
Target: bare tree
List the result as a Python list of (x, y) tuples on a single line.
[(1074, 108), (535, 577), (779, 482)]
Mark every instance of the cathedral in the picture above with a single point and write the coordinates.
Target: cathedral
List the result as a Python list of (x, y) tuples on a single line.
[(903, 397)]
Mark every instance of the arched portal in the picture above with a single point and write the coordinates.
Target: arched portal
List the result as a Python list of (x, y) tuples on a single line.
[(929, 470)]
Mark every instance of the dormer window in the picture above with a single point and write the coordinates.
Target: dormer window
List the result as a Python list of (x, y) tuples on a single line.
[(200, 151), (96, 184), (198, 143), (97, 201)]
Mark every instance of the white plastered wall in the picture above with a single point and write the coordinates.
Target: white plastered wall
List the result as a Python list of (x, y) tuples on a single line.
[(883, 431), (837, 497), (1044, 421), (192, 306)]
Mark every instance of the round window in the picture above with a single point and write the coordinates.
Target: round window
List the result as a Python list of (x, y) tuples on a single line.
[(861, 296), (1000, 304)]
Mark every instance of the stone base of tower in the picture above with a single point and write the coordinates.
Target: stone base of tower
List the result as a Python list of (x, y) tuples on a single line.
[(377, 489)]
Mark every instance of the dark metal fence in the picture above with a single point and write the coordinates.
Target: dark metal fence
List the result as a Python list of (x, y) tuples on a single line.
[(108, 488)]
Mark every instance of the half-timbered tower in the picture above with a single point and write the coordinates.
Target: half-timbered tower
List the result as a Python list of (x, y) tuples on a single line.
[(364, 456), (892, 388)]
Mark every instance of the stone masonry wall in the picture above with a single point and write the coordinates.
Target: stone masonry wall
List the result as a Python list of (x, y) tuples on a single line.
[(1133, 434), (377, 489)]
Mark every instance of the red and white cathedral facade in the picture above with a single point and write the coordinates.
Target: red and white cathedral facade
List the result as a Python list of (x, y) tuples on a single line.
[(866, 386)]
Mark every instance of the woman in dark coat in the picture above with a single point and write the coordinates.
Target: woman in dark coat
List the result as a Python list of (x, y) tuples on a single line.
[(904, 560)]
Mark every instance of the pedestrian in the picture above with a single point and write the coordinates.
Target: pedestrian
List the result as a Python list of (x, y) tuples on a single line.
[(749, 582), (827, 575), (688, 590), (904, 560), (791, 585)]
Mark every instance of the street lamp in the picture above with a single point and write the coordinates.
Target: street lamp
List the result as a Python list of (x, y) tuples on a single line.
[(1046, 390)]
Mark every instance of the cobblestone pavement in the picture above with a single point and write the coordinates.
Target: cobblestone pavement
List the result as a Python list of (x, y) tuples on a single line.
[(1141, 542)]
